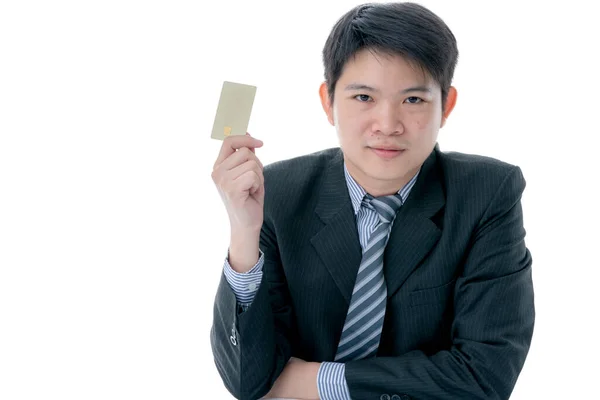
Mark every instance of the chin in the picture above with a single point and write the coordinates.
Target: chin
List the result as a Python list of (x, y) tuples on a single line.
[(387, 175), (376, 169)]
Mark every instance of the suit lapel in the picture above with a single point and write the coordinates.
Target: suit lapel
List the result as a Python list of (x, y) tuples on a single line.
[(337, 242), (413, 233), (412, 237)]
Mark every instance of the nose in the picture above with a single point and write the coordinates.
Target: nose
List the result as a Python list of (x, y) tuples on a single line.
[(387, 120)]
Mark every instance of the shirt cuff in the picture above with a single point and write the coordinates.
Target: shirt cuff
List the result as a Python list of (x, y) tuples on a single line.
[(244, 284), (331, 382)]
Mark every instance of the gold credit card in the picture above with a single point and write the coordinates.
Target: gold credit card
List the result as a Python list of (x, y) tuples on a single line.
[(233, 111)]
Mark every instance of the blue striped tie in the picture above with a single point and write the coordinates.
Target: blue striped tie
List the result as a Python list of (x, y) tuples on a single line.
[(364, 321)]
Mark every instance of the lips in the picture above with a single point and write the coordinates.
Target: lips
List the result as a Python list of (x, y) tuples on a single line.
[(387, 153), (389, 146)]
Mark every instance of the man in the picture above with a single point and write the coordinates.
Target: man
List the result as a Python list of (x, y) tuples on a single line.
[(383, 269)]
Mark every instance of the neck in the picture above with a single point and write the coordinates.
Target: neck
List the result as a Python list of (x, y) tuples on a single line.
[(379, 187)]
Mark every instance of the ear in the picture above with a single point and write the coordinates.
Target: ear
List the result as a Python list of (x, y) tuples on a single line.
[(450, 103), (327, 106)]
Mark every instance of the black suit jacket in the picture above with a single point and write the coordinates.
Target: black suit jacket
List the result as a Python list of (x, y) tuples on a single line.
[(460, 307)]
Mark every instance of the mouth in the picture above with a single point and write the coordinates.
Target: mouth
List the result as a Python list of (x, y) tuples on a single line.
[(387, 152)]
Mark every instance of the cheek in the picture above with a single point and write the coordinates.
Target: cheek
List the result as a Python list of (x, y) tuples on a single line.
[(425, 123), (350, 123)]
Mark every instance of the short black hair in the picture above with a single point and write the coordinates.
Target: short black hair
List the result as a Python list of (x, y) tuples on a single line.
[(400, 28)]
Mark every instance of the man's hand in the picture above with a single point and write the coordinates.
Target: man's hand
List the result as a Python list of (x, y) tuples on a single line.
[(298, 380), (238, 176)]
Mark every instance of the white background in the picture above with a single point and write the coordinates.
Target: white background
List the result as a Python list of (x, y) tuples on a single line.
[(112, 234)]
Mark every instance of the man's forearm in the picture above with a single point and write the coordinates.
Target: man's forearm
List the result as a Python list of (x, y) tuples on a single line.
[(243, 250), (298, 380)]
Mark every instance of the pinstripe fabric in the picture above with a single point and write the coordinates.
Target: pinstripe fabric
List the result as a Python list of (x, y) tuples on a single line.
[(330, 380), (362, 329), (244, 285), (460, 313), (367, 218)]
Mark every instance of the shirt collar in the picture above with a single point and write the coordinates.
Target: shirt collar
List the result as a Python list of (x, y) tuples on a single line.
[(357, 193)]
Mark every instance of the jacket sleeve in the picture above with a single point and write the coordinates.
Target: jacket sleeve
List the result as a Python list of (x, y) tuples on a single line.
[(252, 347), (493, 319)]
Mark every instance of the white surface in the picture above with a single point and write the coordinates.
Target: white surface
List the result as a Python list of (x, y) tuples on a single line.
[(112, 234)]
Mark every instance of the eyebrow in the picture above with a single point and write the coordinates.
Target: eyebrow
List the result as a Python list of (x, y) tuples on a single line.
[(359, 86)]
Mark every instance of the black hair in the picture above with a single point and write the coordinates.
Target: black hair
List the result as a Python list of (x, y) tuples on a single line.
[(403, 28)]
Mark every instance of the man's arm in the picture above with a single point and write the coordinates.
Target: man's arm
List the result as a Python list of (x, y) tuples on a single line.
[(493, 319), (251, 348)]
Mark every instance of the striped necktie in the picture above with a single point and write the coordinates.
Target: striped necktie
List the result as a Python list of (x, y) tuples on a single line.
[(364, 321)]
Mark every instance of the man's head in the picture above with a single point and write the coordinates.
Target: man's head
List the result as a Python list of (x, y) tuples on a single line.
[(388, 74)]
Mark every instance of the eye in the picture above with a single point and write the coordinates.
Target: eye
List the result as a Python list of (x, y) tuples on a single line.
[(414, 100), (363, 98)]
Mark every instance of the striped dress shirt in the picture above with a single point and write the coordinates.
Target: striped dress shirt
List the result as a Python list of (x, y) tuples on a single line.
[(331, 380)]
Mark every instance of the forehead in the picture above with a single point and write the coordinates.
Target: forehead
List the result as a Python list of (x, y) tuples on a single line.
[(384, 66)]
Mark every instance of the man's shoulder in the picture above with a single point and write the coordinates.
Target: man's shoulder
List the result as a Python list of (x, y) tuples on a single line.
[(294, 181), (475, 168), (474, 162), (475, 178)]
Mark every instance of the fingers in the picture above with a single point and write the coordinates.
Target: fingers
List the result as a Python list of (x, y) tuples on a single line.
[(238, 158), (251, 148), (249, 165), (233, 143), (249, 180), (241, 176)]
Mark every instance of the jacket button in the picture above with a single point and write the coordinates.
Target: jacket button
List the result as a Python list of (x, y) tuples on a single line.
[(384, 397), (405, 397), (396, 397)]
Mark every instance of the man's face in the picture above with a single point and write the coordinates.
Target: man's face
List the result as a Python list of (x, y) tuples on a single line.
[(383, 102)]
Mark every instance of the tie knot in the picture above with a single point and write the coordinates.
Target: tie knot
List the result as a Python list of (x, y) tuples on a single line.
[(385, 206)]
